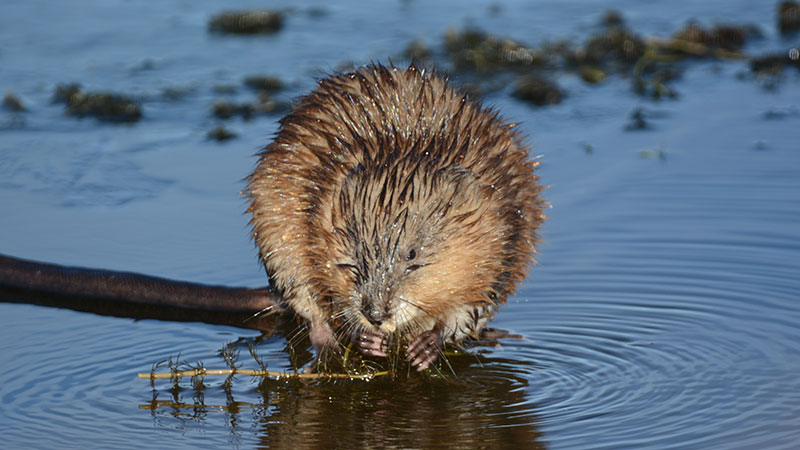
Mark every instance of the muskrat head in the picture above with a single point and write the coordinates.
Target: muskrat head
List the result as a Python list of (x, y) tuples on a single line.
[(410, 244)]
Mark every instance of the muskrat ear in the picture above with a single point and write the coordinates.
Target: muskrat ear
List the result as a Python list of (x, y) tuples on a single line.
[(355, 171), (355, 175)]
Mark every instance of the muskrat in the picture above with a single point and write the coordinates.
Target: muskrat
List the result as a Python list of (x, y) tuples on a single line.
[(391, 205)]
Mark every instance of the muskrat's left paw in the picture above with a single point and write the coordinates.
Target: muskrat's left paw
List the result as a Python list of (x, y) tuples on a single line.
[(322, 337), (424, 349), (371, 343)]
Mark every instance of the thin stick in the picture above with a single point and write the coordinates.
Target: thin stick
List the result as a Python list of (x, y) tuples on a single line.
[(260, 373)]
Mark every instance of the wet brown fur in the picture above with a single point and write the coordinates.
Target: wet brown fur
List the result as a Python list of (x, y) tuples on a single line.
[(374, 164)]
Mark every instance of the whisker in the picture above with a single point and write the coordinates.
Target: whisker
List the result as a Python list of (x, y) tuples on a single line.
[(439, 322), (446, 361), (269, 310)]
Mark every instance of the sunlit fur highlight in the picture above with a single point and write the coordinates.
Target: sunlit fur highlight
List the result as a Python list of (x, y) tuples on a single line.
[(377, 163)]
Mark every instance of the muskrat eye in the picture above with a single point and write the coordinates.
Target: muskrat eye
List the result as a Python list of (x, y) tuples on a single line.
[(411, 255)]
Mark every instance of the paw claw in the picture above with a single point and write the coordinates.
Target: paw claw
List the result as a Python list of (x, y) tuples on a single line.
[(370, 343), (423, 350)]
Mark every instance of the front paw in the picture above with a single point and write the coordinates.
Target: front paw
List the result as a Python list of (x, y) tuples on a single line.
[(322, 337), (424, 349), (372, 343)]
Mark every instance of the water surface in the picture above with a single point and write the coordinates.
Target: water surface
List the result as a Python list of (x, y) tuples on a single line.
[(663, 311)]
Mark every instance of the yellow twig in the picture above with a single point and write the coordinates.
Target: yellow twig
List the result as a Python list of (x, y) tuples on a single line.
[(260, 373)]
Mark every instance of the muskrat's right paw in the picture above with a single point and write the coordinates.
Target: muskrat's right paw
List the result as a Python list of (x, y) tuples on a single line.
[(424, 349), (371, 343)]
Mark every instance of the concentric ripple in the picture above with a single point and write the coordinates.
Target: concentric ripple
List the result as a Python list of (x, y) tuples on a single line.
[(664, 313), (676, 339)]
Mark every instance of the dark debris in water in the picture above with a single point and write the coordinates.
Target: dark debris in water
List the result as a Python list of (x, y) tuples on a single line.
[(269, 105), (224, 109), (537, 90), (775, 62), (473, 50), (592, 74), (220, 134), (104, 106), (722, 36), (789, 17), (65, 91), (781, 113), (638, 120), (12, 103), (642, 119), (265, 104), (617, 45), (651, 63), (264, 83), (417, 50), (652, 78), (769, 69), (246, 22), (485, 63), (612, 18)]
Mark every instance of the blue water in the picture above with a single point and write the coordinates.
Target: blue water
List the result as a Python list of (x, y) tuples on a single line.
[(664, 311)]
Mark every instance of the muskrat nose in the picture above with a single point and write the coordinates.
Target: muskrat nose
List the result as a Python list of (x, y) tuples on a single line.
[(372, 314)]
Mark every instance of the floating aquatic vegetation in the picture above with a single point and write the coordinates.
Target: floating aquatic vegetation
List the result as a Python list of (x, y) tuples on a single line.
[(264, 83), (651, 78), (417, 50), (653, 63), (789, 17), (104, 106), (265, 104), (362, 371), (537, 90), (246, 22), (224, 109), (592, 74), (65, 91), (616, 45), (220, 134), (695, 40), (12, 103), (775, 62), (473, 50)]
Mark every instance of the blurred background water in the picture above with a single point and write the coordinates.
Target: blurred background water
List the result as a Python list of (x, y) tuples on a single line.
[(664, 310)]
